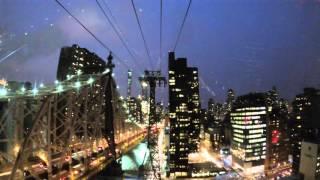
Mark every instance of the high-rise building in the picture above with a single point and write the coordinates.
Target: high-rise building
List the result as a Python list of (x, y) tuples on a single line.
[(160, 112), (203, 122), (135, 111), (215, 129), (184, 114), (227, 121), (74, 59), (144, 90), (129, 83), (304, 122), (209, 114), (230, 99), (259, 138), (194, 108), (277, 134), (310, 160), (249, 132)]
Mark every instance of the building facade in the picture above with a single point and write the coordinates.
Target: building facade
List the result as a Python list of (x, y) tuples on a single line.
[(259, 138), (135, 111), (277, 134), (184, 114), (310, 160), (249, 132), (227, 121), (74, 59), (304, 123), (215, 127), (230, 99)]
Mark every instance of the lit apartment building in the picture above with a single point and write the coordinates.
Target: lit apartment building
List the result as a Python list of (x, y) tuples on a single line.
[(184, 114)]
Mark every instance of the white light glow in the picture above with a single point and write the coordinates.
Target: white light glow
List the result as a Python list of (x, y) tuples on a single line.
[(77, 84), (35, 91), (90, 80), (3, 92), (60, 88)]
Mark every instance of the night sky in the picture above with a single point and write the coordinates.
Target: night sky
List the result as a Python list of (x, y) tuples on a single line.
[(247, 45)]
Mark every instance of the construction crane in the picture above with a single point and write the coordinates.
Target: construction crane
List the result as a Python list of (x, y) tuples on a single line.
[(154, 79)]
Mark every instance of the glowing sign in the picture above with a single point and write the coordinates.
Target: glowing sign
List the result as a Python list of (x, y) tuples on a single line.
[(275, 136)]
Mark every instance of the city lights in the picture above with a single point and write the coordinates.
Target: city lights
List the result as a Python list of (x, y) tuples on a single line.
[(79, 72), (3, 91), (90, 80), (23, 89), (239, 102), (77, 84), (41, 85), (106, 71), (35, 91), (59, 88), (144, 84), (3, 82)]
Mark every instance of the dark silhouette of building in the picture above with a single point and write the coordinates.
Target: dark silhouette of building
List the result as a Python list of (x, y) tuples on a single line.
[(184, 114), (277, 133), (230, 99), (227, 122), (304, 122), (211, 108), (74, 59), (203, 122), (215, 128)]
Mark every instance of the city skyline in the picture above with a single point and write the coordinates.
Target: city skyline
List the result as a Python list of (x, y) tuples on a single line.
[(108, 89), (223, 39)]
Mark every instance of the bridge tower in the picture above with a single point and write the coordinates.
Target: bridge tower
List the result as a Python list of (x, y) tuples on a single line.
[(115, 168), (154, 79), (129, 88)]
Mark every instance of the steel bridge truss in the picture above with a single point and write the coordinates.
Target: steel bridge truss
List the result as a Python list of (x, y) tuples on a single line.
[(47, 128)]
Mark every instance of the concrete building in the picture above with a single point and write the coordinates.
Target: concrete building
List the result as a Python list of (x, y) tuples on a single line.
[(259, 140), (310, 160)]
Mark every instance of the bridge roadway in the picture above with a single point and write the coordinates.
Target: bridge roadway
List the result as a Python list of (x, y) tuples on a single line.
[(125, 147), (96, 161)]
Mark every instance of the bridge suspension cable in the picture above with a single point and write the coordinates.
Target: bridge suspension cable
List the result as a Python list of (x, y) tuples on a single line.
[(141, 32), (117, 31), (182, 25), (91, 33)]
